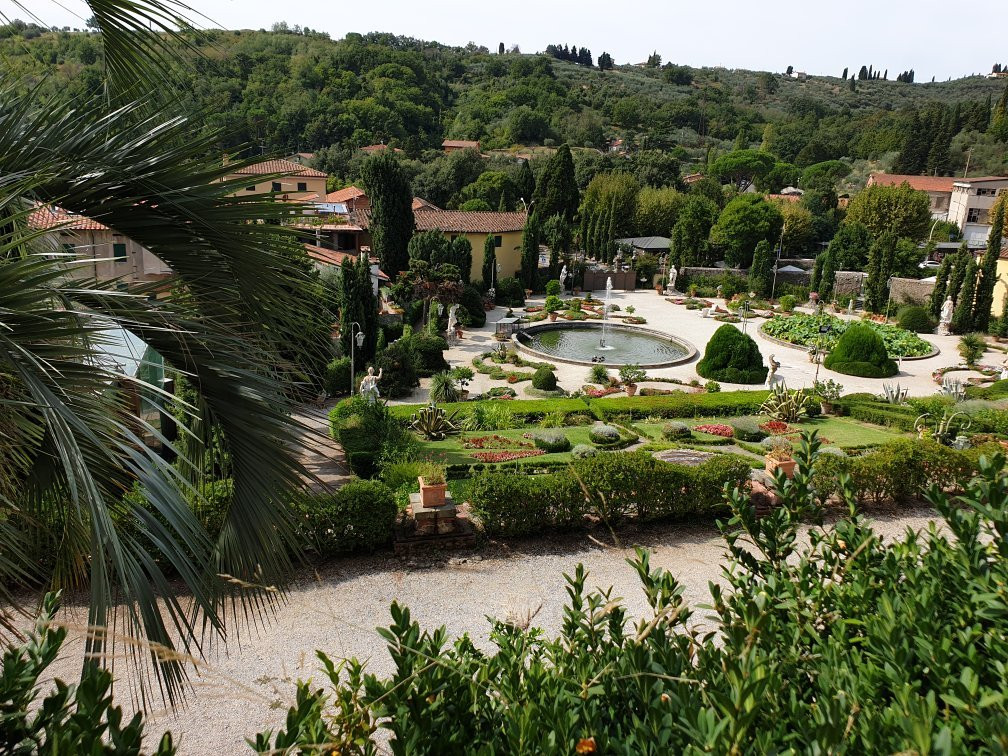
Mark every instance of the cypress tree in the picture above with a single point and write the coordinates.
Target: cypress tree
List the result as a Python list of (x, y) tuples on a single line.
[(816, 272), (880, 262), (611, 232), (988, 270), (940, 290), (489, 261), (364, 291), (461, 255), (597, 233), (525, 181), (962, 316), (1002, 329), (392, 221), (759, 271), (530, 253), (350, 306), (828, 276), (958, 274), (852, 84), (557, 191), (845, 73)]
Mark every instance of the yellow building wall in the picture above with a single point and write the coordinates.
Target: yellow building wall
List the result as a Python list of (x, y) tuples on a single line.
[(288, 186), (999, 288), (508, 254)]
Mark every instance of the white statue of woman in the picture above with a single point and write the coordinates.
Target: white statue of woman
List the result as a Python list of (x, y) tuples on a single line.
[(1004, 370), (946, 311), (452, 322), (673, 274), (369, 386), (772, 364), (563, 279)]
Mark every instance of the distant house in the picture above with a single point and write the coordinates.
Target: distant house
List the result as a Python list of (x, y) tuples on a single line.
[(658, 245), (99, 251), (373, 148), (301, 158), (692, 178), (616, 145), (284, 178), (330, 259), (351, 196), (972, 199), (475, 225), (938, 188), (454, 145), (419, 203), (800, 75)]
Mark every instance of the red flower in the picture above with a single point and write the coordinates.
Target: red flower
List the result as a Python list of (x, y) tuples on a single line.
[(507, 456), (776, 427), (716, 429)]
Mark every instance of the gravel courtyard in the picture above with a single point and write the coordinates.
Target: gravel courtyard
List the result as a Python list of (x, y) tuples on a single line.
[(249, 687)]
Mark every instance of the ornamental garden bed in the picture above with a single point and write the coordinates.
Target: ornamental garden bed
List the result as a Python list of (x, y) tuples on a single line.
[(803, 331)]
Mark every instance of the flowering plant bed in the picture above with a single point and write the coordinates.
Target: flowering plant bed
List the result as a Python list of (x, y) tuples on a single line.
[(494, 441), (715, 429), (776, 427), (989, 371), (506, 456), (804, 330), (598, 393)]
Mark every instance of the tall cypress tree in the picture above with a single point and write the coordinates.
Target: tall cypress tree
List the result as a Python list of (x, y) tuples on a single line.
[(988, 270), (828, 276), (530, 253), (557, 191), (962, 316), (880, 262), (759, 271), (597, 233), (489, 262), (940, 290), (958, 273), (364, 291), (525, 181), (461, 255), (611, 232), (388, 189), (350, 307), (816, 272)]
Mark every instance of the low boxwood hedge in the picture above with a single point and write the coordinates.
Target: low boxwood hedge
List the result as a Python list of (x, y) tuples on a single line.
[(360, 516)]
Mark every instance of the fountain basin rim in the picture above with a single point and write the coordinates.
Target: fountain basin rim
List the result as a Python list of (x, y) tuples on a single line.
[(690, 350)]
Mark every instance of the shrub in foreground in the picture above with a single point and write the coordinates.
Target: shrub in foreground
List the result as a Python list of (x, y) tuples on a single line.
[(732, 357), (853, 644), (358, 517), (861, 352), (544, 379), (551, 441), (915, 318)]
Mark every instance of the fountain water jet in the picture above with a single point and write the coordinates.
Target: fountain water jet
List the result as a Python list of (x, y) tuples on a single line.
[(605, 312)]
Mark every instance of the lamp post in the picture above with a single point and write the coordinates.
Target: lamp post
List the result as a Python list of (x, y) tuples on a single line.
[(355, 340), (745, 314), (780, 249), (888, 295)]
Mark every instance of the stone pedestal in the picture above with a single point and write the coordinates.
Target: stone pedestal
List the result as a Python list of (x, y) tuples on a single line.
[(439, 519), (434, 528)]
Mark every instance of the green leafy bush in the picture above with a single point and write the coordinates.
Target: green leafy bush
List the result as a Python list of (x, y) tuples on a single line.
[(544, 379), (971, 347), (443, 388), (598, 374), (551, 441), (630, 375), (916, 319), (805, 330), (553, 288), (787, 303), (510, 292), (489, 416), (359, 517), (472, 302), (582, 451), (601, 433), (712, 387), (733, 357), (337, 376), (675, 431), (747, 429), (400, 366), (430, 351), (861, 352), (553, 304)]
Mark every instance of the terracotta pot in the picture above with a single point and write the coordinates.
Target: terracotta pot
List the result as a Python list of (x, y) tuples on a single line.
[(432, 495), (464, 395), (631, 389), (552, 317), (786, 466), (659, 289), (458, 333), (826, 407)]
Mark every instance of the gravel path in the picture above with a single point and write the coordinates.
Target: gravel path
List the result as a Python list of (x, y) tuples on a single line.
[(336, 609)]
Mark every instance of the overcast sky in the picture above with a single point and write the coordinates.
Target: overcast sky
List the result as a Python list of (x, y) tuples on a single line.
[(814, 36)]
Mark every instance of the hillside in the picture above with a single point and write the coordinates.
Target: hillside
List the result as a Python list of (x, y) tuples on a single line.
[(301, 91)]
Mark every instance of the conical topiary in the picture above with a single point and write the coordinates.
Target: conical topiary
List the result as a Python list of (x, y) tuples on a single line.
[(733, 357), (860, 351)]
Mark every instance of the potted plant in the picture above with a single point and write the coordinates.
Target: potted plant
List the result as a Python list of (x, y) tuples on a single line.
[(779, 458), (630, 375), (828, 393), (552, 306), (462, 375), (432, 486), (662, 283)]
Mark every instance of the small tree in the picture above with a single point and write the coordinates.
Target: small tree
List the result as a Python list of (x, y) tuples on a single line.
[(761, 271), (530, 253), (940, 290), (489, 262), (962, 317)]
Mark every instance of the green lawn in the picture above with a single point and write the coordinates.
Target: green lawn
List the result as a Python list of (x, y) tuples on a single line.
[(839, 431), (451, 452)]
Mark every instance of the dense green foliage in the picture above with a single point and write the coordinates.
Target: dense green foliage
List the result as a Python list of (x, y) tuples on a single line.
[(804, 330), (849, 643), (916, 319), (860, 351), (733, 357), (544, 379), (357, 517)]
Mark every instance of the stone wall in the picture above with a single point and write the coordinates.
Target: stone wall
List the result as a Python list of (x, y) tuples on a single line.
[(904, 290)]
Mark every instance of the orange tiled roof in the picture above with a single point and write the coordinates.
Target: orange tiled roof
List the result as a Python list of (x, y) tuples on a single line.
[(469, 221), (419, 203), (45, 217), (342, 195), (334, 257), (784, 197), (461, 144), (920, 183), (280, 166)]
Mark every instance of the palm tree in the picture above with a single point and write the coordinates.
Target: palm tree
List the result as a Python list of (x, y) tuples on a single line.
[(70, 446)]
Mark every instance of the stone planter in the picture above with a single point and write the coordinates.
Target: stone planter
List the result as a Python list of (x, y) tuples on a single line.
[(432, 494), (631, 389), (464, 395), (827, 407), (552, 317), (787, 466)]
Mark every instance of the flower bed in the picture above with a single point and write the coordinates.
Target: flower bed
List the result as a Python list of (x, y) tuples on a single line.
[(494, 441), (598, 393), (776, 428), (715, 429), (989, 371), (506, 456), (803, 330)]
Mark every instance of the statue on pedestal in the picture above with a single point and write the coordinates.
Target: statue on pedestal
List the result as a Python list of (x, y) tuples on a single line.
[(369, 386), (563, 280), (673, 274), (946, 316), (771, 375), (453, 324)]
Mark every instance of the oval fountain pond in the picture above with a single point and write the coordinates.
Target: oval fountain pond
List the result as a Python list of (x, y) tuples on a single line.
[(579, 342)]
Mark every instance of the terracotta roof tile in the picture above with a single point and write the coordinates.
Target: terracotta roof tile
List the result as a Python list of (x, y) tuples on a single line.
[(342, 195), (921, 183), (334, 257), (45, 217), (419, 203), (469, 221), (462, 144), (280, 166)]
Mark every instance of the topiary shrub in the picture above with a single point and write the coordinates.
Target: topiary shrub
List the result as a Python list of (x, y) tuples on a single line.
[(747, 429), (733, 357), (674, 431), (600, 433), (583, 451), (430, 351), (337, 376), (400, 365), (358, 517), (551, 441), (860, 351), (787, 303), (553, 288), (544, 379), (915, 318)]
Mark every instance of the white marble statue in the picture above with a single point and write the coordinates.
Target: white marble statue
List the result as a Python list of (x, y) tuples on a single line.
[(1004, 370), (946, 316), (850, 306), (673, 274), (563, 279), (452, 322), (369, 386), (771, 375)]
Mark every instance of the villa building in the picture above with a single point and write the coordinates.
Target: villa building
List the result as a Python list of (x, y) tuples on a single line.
[(972, 199), (288, 180), (938, 189)]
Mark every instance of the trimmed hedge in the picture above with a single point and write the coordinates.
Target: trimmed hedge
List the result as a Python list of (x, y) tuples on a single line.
[(747, 429), (889, 415), (620, 486), (733, 357), (915, 318), (551, 441), (544, 379), (860, 351), (358, 517)]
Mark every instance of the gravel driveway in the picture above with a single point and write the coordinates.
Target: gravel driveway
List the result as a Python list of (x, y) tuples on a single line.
[(248, 687)]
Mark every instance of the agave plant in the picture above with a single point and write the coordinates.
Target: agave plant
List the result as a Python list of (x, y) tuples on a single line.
[(786, 406), (954, 388), (433, 422), (71, 443), (893, 394)]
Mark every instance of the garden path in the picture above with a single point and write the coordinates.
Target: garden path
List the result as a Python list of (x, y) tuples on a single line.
[(320, 454)]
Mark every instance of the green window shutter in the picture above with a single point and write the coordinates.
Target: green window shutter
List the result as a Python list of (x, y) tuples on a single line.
[(119, 252)]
